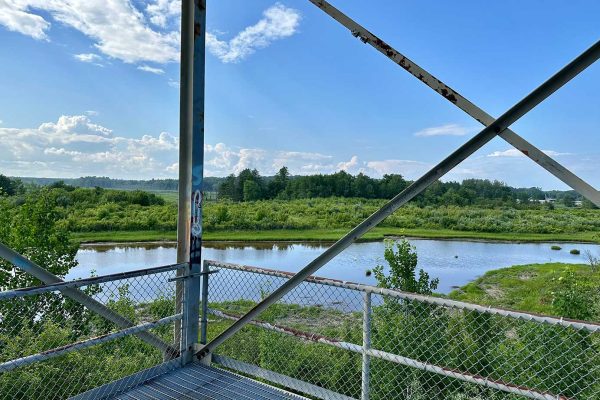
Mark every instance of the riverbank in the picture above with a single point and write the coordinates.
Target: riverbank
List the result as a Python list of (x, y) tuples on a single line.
[(329, 235), (531, 288)]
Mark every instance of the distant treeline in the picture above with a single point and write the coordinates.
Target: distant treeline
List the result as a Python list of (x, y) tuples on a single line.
[(248, 185), (210, 183)]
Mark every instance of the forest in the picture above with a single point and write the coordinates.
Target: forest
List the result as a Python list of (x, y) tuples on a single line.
[(492, 211)]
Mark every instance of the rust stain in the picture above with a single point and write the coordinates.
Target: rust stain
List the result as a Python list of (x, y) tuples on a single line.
[(197, 29), (448, 95), (292, 331), (525, 152)]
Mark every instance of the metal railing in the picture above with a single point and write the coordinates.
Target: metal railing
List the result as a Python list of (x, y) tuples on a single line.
[(52, 346), (338, 340)]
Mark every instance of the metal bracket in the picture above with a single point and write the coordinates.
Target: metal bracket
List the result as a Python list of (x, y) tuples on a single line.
[(184, 277)]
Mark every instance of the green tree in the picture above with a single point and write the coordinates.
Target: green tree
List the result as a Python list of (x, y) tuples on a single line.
[(227, 188), (402, 259), (279, 182), (252, 191), (10, 187)]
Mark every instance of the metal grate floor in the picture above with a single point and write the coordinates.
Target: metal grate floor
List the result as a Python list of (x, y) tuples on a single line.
[(197, 381)]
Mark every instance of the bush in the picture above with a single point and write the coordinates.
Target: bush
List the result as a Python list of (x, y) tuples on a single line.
[(402, 266), (555, 247), (575, 252)]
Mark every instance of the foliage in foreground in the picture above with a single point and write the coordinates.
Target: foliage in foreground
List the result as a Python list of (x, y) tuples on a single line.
[(541, 357)]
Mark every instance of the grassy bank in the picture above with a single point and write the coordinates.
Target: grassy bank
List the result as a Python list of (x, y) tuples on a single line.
[(333, 234), (531, 287)]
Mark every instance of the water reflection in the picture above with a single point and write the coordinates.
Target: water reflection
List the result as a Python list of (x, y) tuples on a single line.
[(454, 262)]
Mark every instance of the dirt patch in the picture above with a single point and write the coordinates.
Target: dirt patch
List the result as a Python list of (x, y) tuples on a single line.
[(493, 291), (525, 276)]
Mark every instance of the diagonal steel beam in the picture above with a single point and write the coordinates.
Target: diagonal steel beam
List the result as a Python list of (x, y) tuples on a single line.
[(535, 154), (571, 70), (48, 278)]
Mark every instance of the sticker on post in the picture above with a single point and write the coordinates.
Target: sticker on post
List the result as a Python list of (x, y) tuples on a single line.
[(197, 214)]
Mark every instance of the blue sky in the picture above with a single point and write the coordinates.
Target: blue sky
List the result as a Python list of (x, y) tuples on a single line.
[(92, 88)]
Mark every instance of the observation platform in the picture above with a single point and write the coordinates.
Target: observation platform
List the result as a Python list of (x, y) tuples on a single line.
[(198, 381)]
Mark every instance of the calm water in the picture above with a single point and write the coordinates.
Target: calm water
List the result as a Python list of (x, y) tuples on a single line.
[(454, 262)]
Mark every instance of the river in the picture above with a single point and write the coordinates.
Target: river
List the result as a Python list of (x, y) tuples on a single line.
[(454, 262)]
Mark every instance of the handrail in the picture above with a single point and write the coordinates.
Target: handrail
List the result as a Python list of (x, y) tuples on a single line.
[(383, 355), (439, 301), (27, 291), (84, 344), (47, 277)]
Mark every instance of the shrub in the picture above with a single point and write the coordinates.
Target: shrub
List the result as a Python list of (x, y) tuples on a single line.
[(555, 247), (402, 266), (575, 252)]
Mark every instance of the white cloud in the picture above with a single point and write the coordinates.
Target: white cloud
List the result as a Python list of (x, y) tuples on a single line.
[(173, 83), (87, 57), (410, 169), (134, 34), (14, 17), (223, 160), (445, 130), (348, 165), (92, 113), (75, 146), (152, 70), (278, 22), (518, 153), (160, 12), (118, 29)]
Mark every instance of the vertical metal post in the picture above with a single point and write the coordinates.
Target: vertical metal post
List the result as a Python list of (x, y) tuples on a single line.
[(366, 359), (185, 151), (204, 302), (193, 33)]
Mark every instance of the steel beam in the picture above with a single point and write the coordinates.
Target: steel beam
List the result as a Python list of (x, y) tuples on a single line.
[(193, 54), (528, 149), (504, 121), (186, 100), (47, 277)]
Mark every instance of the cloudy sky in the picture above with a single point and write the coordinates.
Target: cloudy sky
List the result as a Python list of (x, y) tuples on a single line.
[(91, 87)]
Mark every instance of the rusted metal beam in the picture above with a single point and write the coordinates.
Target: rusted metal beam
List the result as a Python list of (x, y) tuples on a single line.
[(47, 277), (528, 149), (530, 101)]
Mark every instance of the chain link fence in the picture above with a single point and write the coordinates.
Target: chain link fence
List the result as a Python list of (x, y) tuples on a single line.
[(333, 339), (53, 347)]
